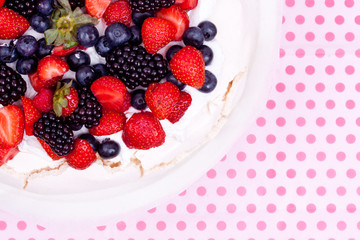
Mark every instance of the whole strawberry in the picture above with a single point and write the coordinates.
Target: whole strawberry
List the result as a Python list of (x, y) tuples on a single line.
[(161, 98), (143, 131), (43, 101), (111, 122), (180, 108), (82, 156), (188, 66), (157, 33), (12, 24), (48, 150), (118, 11), (65, 100), (31, 115)]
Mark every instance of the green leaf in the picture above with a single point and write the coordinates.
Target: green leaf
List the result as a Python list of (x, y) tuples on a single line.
[(63, 102), (57, 109), (65, 4), (69, 44), (51, 35), (59, 40)]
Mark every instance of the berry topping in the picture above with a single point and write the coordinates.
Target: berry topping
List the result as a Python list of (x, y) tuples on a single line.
[(162, 98), (76, 59), (109, 149), (87, 35), (187, 4), (85, 75), (12, 85), (208, 29), (12, 125), (117, 34), (90, 139), (25, 8), (143, 131), (31, 115), (138, 99), (55, 132), (118, 11), (103, 47), (110, 92), (210, 82), (96, 8), (193, 36), (45, 7), (150, 5), (40, 23), (83, 155), (157, 33), (43, 101), (48, 150), (178, 17), (27, 65), (180, 108), (100, 70), (65, 100), (135, 67), (7, 154), (111, 122), (50, 71), (207, 54), (12, 25), (27, 46), (188, 66)]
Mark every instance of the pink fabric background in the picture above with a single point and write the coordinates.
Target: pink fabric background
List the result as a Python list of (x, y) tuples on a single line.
[(293, 175)]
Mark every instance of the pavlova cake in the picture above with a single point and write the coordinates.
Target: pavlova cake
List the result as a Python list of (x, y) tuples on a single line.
[(101, 88)]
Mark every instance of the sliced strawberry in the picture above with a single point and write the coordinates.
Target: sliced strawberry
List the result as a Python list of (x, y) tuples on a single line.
[(110, 92), (157, 33), (127, 103), (50, 70), (61, 52), (31, 115), (180, 108), (6, 154), (111, 122), (118, 11), (82, 156), (178, 17), (43, 101), (48, 150), (96, 8), (35, 82), (187, 4), (12, 125), (12, 24)]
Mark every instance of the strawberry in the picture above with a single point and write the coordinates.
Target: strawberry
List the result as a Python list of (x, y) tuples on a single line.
[(12, 24), (161, 98), (178, 17), (110, 92), (6, 154), (61, 52), (127, 103), (143, 131), (119, 11), (96, 8), (11, 126), (157, 33), (48, 150), (187, 4), (65, 100), (188, 66), (82, 156), (43, 101), (180, 108), (2, 3), (50, 70), (35, 82), (111, 122), (31, 115)]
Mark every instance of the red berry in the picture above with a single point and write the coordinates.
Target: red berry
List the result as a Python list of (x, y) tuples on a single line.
[(127, 102), (118, 11), (111, 122), (50, 71), (178, 17), (31, 115), (59, 51), (65, 100), (180, 108), (187, 4), (43, 101), (82, 156), (12, 123), (12, 24), (96, 8), (6, 154), (48, 150), (143, 131)]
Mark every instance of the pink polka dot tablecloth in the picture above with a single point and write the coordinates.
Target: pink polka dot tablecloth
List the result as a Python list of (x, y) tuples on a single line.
[(293, 175)]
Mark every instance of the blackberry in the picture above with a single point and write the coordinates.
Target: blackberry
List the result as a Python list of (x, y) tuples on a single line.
[(55, 132), (136, 67), (26, 8), (12, 85), (89, 110), (77, 3), (150, 5)]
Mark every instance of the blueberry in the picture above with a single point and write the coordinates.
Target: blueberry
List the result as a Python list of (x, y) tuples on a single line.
[(85, 75), (8, 54), (27, 65), (27, 46), (76, 59), (171, 78), (87, 35), (74, 83), (100, 70), (103, 46), (172, 50), (207, 54), (193, 36), (135, 35), (208, 29), (75, 127), (45, 7), (117, 34), (43, 49), (138, 99), (139, 18), (40, 23), (109, 149), (91, 140), (210, 82)]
